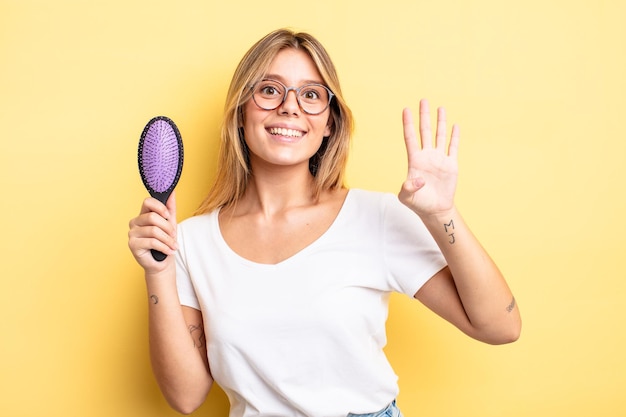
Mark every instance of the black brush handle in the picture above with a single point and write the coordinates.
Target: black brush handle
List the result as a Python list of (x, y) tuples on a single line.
[(162, 197), (157, 255)]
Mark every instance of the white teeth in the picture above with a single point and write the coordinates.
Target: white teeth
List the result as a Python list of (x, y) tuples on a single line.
[(285, 132)]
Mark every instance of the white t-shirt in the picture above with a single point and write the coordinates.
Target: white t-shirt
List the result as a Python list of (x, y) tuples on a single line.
[(305, 337)]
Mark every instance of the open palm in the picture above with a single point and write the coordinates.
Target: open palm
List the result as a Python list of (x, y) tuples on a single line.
[(432, 174)]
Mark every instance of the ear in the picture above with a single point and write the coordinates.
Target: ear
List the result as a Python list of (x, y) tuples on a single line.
[(329, 126)]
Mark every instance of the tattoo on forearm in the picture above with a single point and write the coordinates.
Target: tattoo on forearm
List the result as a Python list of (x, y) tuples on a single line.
[(511, 306), (447, 228), (154, 299), (197, 334)]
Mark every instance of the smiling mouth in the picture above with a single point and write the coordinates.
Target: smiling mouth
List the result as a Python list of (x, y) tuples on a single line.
[(281, 131)]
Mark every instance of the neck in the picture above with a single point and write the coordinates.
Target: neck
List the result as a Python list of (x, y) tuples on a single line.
[(274, 190)]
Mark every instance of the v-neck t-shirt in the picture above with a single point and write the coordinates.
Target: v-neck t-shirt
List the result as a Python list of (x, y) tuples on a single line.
[(305, 336)]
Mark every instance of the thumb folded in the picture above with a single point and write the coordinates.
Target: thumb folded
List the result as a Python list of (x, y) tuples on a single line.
[(413, 184)]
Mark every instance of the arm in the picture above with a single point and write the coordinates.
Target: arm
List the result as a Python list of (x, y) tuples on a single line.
[(177, 348), (471, 292)]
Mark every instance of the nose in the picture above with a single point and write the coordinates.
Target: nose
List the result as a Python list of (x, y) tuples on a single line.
[(290, 103)]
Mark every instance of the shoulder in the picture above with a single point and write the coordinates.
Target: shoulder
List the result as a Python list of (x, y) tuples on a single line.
[(371, 209), (373, 201), (197, 219), (196, 233), (384, 208), (197, 224), (370, 197)]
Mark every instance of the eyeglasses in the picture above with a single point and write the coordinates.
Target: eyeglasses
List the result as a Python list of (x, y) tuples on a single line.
[(312, 98)]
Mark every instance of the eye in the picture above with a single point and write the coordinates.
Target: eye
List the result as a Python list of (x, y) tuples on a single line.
[(269, 89), (312, 93)]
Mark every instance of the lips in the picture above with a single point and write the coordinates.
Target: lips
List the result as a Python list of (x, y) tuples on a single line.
[(281, 131)]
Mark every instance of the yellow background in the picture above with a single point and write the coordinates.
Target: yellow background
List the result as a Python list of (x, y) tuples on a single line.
[(538, 88)]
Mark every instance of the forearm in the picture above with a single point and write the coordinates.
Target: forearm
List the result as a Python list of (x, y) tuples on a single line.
[(485, 296), (177, 354)]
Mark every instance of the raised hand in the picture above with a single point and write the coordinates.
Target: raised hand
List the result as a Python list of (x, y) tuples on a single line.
[(432, 173)]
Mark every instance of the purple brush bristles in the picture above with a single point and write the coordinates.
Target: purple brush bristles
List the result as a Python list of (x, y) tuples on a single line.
[(160, 157)]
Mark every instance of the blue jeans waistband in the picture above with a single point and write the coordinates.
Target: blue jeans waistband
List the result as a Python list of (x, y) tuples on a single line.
[(391, 410)]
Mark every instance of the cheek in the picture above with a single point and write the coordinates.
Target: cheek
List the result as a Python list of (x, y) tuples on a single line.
[(250, 113), (251, 122)]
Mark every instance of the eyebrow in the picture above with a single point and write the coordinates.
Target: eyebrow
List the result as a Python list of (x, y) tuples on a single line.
[(281, 79)]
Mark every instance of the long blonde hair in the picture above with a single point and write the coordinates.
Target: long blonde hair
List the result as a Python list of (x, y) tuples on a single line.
[(233, 170)]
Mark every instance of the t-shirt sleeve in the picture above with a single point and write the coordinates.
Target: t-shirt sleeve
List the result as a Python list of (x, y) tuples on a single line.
[(411, 253), (186, 292)]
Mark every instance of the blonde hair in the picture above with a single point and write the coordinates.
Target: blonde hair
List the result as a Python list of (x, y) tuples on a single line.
[(233, 170)]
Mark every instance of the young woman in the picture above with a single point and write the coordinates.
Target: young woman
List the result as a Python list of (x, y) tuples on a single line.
[(278, 288)]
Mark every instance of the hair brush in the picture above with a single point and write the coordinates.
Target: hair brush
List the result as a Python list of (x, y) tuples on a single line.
[(160, 158)]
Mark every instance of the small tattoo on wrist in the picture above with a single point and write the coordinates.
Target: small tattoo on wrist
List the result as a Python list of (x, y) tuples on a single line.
[(447, 228), (154, 299)]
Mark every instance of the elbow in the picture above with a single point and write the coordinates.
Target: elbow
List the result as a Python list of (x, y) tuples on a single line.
[(506, 338), (185, 411), (500, 333), (184, 406), (186, 401), (506, 335)]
